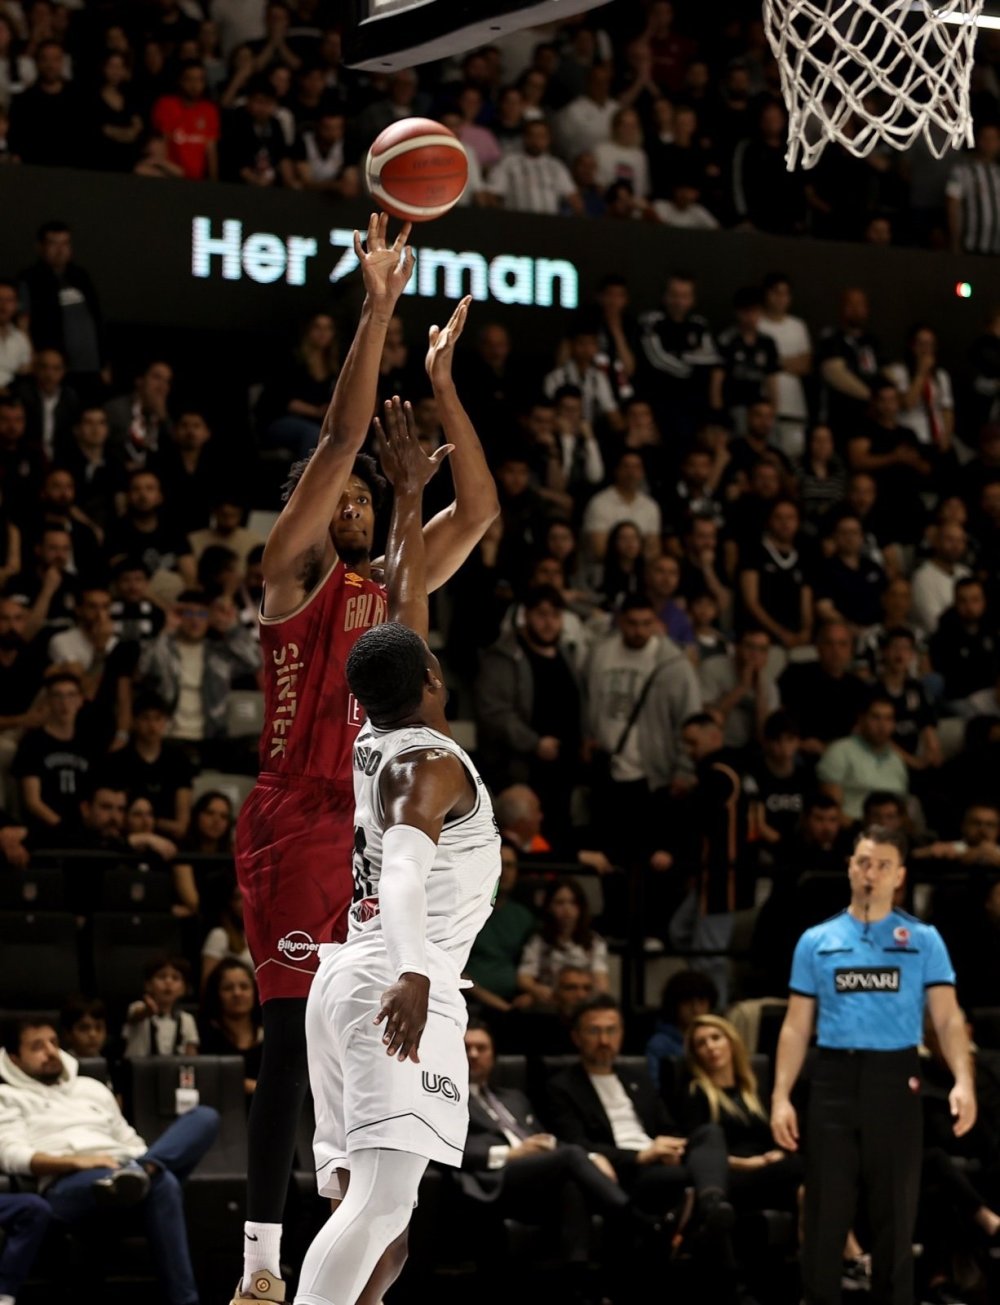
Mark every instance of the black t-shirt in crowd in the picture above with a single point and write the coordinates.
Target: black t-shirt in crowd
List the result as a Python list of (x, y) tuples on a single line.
[(556, 709), (913, 714), (158, 548), (855, 592), (157, 780), (781, 578), (860, 352), (20, 682), (26, 587), (62, 765), (782, 797), (137, 622), (747, 366), (824, 708)]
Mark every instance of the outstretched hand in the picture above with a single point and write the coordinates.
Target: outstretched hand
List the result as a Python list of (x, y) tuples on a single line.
[(407, 467), (386, 268), (441, 345)]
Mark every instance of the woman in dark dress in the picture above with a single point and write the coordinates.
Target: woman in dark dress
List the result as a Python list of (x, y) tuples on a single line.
[(231, 1021), (115, 124)]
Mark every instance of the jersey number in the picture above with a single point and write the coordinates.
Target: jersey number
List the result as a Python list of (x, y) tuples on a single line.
[(362, 867)]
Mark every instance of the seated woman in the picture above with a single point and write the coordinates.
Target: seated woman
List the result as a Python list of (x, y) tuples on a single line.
[(227, 939), (209, 834), (565, 938), (723, 1091), (231, 1019)]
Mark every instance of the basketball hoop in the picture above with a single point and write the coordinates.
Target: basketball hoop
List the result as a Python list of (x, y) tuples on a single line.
[(873, 72)]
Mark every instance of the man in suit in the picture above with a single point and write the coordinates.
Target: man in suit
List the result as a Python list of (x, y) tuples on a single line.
[(619, 1115), (525, 1173), (51, 407)]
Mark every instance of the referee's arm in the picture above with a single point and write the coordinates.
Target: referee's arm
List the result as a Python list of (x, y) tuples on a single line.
[(949, 1025), (793, 1044)]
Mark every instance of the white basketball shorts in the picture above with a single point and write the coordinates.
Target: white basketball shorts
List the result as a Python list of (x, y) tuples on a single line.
[(365, 1099)]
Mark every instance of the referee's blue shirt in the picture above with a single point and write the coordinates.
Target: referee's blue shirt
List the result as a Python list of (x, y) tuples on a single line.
[(869, 981)]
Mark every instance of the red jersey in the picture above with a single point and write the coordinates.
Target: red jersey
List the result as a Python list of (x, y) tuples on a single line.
[(189, 129), (311, 718)]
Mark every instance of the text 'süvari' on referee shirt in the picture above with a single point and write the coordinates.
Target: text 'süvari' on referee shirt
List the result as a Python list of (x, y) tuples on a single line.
[(869, 981)]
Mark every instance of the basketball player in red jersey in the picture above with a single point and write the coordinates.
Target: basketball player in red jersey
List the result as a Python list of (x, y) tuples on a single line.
[(295, 831)]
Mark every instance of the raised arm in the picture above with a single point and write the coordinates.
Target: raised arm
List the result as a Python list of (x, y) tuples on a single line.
[(408, 469), (300, 544), (454, 532)]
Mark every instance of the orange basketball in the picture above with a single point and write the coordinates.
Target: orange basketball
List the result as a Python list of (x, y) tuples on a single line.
[(416, 169)]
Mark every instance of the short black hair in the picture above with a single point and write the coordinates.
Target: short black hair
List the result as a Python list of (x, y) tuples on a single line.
[(966, 582), (635, 603), (539, 594), (686, 985), (480, 1026), (890, 837), (881, 797), (599, 1001), (747, 297), (775, 278), (569, 391), (166, 961), (14, 1028), (365, 468), (780, 724), (55, 226), (130, 564), (897, 632), (820, 802), (78, 1007), (387, 669), (149, 702)]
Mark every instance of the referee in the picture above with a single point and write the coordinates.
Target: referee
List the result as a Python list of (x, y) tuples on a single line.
[(864, 975)]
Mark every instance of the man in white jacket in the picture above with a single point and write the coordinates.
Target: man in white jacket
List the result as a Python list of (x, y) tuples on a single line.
[(68, 1131)]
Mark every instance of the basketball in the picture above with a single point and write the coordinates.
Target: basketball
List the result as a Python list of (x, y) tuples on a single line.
[(416, 169)]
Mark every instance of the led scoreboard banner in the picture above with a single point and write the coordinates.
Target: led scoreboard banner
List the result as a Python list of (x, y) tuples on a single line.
[(384, 34)]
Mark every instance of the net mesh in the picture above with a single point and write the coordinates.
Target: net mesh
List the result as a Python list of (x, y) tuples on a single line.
[(872, 72)]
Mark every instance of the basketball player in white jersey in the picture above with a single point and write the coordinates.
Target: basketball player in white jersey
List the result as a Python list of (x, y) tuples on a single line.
[(385, 1019)]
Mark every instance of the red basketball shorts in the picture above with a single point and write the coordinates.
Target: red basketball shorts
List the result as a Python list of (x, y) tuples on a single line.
[(294, 848)]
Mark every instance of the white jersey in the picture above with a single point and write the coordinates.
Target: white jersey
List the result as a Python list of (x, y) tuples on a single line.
[(465, 873)]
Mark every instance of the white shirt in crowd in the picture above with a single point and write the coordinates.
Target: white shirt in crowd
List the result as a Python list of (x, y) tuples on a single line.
[(976, 184), (593, 384), (189, 715), (593, 465), (626, 1126), (934, 592), (918, 418), (608, 507), (791, 336), (582, 124), (693, 218), (531, 185), (74, 646), (15, 354), (623, 163), (216, 947), (475, 181), (161, 1035)]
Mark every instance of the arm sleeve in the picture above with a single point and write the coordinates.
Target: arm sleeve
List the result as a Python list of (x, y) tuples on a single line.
[(938, 969), (407, 856), (15, 1145), (531, 957), (803, 979), (831, 768)]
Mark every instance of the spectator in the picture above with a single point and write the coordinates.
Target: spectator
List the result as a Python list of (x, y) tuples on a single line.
[(778, 784), (892, 454), (586, 372), (83, 1022), (231, 1020), (849, 584), (662, 588), (153, 161), (526, 1174), (821, 476), (686, 995), (227, 938), (253, 146), (934, 580), (927, 406), (57, 507), (533, 181), (154, 1026), (979, 843), (189, 122), (580, 463), (302, 393), (45, 119), (52, 761), (20, 681), (791, 335), (189, 471), (135, 616), (60, 1125), (755, 445), (823, 695), (20, 463), (963, 648), (156, 769), (101, 484), (140, 422), (702, 563), (776, 593), (49, 590), (916, 736), (622, 157), (851, 767), (115, 125), (227, 529), (145, 532), (766, 196), (62, 305), (738, 690), (478, 140), (849, 364), (973, 221), (15, 347), (621, 1115), (565, 937), (520, 816), (623, 500), (528, 707), (749, 362), (210, 834), (320, 160), (683, 209), (624, 571), (587, 119), (397, 102), (495, 954)]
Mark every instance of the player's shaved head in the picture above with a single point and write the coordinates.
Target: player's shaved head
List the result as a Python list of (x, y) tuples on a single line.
[(387, 672)]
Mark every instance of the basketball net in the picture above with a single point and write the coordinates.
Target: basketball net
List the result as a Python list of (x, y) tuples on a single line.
[(866, 73)]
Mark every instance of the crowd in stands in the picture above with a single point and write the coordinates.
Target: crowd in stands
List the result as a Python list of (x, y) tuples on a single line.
[(663, 111), (743, 598)]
